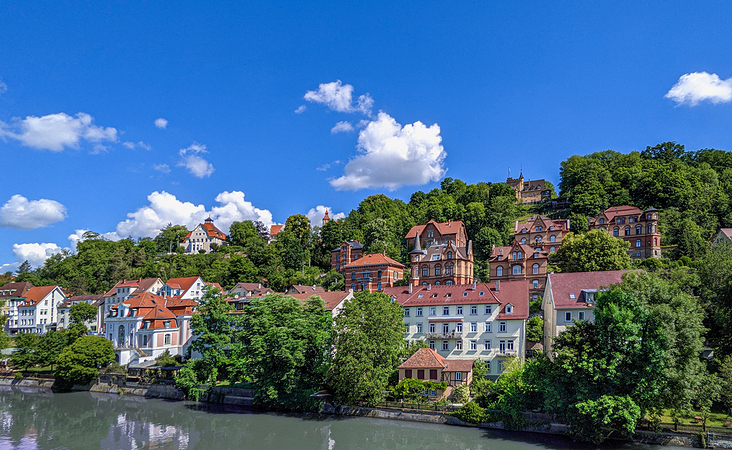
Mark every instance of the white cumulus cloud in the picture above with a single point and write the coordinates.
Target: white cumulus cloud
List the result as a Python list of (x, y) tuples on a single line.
[(57, 131), (316, 215), (35, 253), (161, 123), (165, 208), (392, 156), (342, 127), (696, 87), (301, 109), (196, 165), (23, 214), (339, 97)]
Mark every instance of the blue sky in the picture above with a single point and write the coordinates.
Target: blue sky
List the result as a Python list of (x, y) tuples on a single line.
[(251, 95)]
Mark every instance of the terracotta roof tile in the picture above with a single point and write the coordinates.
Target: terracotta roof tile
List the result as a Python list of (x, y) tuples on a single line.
[(565, 286), (374, 259), (275, 229), (424, 358), (182, 283), (331, 299), (19, 288), (445, 228)]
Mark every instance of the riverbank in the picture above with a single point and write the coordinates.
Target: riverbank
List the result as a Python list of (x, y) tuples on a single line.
[(244, 397)]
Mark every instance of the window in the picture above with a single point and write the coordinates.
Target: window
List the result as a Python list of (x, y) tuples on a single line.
[(430, 234), (616, 232), (517, 270), (509, 345), (601, 221), (438, 271), (419, 311), (433, 311), (638, 229), (523, 241), (552, 249), (433, 374), (353, 275), (445, 310), (534, 284), (445, 328), (538, 239), (637, 242), (167, 339), (459, 327), (535, 297), (435, 257), (420, 374), (445, 345), (627, 231), (432, 328), (502, 346), (650, 228), (501, 327), (407, 373), (509, 309), (449, 255), (425, 271), (459, 310), (499, 271), (448, 269), (488, 309), (487, 344), (419, 327), (568, 316), (378, 286), (406, 312), (458, 376), (535, 269), (473, 310), (406, 328), (459, 344), (581, 315), (552, 238), (473, 326), (473, 345), (432, 345), (538, 229)]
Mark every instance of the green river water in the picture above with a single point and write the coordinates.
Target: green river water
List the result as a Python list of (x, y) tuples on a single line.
[(37, 419)]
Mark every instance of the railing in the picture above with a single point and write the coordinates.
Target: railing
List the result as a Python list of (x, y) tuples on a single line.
[(453, 335), (426, 406), (507, 353)]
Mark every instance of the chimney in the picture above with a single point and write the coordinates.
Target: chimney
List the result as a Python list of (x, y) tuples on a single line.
[(429, 287), (410, 288), (498, 285), (313, 287), (259, 285), (474, 285)]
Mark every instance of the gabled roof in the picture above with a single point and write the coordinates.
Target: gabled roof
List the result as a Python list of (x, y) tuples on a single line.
[(564, 286), (301, 289), (373, 259), (444, 228), (275, 229), (210, 229), (36, 294), (611, 213), (18, 288), (424, 358), (558, 224), (507, 250), (331, 298), (91, 299), (181, 283)]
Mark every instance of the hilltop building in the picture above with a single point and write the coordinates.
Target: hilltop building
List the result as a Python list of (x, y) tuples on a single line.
[(441, 254), (639, 228), (201, 238), (372, 273), (528, 191), (348, 252)]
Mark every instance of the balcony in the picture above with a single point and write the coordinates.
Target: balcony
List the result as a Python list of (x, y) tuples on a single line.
[(453, 335), (365, 279), (507, 353)]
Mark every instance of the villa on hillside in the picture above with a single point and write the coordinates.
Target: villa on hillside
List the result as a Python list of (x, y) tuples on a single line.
[(202, 237)]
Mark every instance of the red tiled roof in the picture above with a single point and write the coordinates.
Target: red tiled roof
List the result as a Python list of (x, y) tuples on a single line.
[(514, 292), (572, 283), (374, 259), (458, 365), (210, 229), (20, 288), (444, 228), (424, 358), (274, 229), (331, 299), (300, 289), (624, 210), (36, 294), (559, 224), (507, 250), (182, 283)]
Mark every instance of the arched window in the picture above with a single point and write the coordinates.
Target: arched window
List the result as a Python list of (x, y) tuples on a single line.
[(523, 240), (517, 270), (552, 249), (437, 283), (537, 239), (448, 269), (637, 242), (499, 271), (121, 336), (535, 284), (167, 339), (650, 229), (425, 271), (638, 229), (601, 221), (552, 238), (448, 282), (627, 231), (144, 340), (616, 232), (449, 255), (438, 271), (535, 269)]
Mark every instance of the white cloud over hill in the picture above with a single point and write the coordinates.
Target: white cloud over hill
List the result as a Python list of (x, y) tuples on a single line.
[(23, 214)]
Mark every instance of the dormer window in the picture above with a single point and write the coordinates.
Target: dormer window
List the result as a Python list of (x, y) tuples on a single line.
[(509, 309), (166, 324), (538, 229), (551, 228), (601, 221), (572, 296)]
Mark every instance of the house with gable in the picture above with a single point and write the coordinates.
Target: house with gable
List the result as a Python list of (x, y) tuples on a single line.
[(521, 262), (199, 240), (571, 296), (121, 292), (631, 224), (64, 320), (249, 290), (484, 321), (428, 365), (38, 311), (187, 288), (302, 289), (333, 300), (146, 325), (12, 295), (348, 252), (372, 273), (441, 254), (541, 232)]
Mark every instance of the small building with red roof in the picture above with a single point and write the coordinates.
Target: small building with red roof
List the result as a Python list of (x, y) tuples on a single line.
[(199, 240), (484, 321), (571, 296), (373, 272), (11, 295), (333, 300), (428, 365), (633, 225), (187, 287), (146, 325), (249, 289)]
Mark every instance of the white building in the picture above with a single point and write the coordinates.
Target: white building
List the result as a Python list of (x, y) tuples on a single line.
[(12, 295), (571, 296), (38, 311), (146, 325), (187, 288), (200, 239), (121, 292), (64, 309), (484, 321)]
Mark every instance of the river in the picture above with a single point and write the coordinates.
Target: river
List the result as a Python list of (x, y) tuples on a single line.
[(38, 419)]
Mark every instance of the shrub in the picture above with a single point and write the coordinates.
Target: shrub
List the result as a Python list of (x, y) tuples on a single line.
[(461, 394), (471, 413)]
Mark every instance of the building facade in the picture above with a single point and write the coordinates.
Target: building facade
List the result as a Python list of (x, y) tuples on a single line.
[(121, 292), (528, 191), (639, 228), (372, 273), (348, 252), (191, 288), (428, 365), (571, 296), (64, 320), (484, 321), (521, 262), (38, 311), (441, 254), (541, 232), (200, 239), (11, 295)]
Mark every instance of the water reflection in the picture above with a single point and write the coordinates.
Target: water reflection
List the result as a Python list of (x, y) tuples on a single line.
[(33, 419)]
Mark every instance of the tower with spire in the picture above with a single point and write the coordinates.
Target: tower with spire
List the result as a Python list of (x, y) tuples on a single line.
[(326, 218)]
